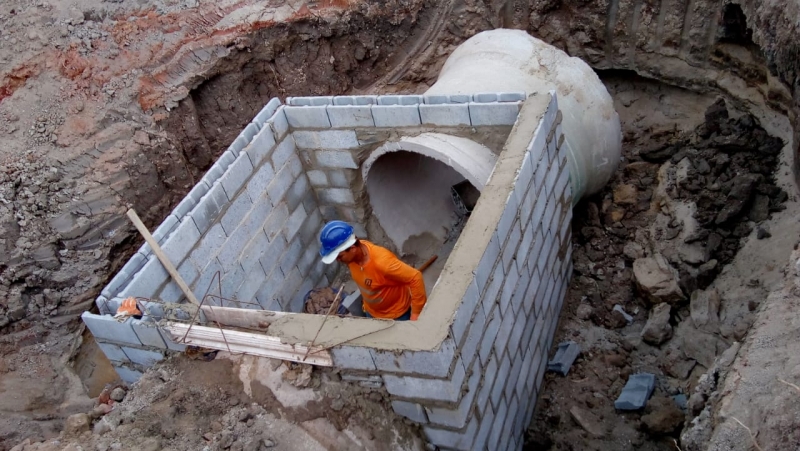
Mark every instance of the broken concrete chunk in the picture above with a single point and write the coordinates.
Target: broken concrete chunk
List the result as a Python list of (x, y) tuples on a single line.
[(658, 330), (704, 307), (656, 280), (566, 354), (636, 392), (633, 250), (702, 346), (588, 421)]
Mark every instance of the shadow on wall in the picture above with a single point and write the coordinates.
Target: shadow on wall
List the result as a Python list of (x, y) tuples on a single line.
[(410, 197)]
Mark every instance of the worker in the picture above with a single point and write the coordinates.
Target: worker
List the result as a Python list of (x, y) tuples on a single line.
[(390, 288)]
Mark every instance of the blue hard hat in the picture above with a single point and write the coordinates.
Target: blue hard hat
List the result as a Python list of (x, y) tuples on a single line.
[(335, 237)]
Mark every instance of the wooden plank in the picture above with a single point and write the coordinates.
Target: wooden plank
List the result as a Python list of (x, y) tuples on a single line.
[(248, 343), (161, 256), (245, 318)]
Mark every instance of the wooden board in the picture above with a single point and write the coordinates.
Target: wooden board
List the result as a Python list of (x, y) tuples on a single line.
[(247, 343)]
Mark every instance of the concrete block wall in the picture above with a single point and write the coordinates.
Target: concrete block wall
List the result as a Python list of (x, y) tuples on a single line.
[(477, 391), (334, 134), (246, 233)]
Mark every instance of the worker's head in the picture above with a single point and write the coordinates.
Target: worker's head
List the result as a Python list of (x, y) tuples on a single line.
[(337, 241)]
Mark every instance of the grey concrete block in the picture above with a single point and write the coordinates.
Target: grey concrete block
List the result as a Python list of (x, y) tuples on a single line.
[(218, 168), (350, 116), (490, 297), (287, 296), (208, 282), (197, 192), (236, 175), (498, 425), (487, 343), (250, 226), (102, 305), (447, 115), (298, 101), (410, 410), (113, 352), (248, 133), (636, 392), (317, 177), (307, 116), (507, 219), (426, 363), (268, 291), (181, 241), (253, 279), (469, 348), (209, 245), (261, 147), (326, 139), (210, 207), (231, 281), (254, 249), (485, 268), (106, 328), (463, 316), (339, 179), (294, 222), (147, 281), (270, 259), (148, 333), (504, 368), (365, 100), (337, 159), (353, 358), (336, 196), (396, 115), (278, 123), (276, 220), (493, 113), (435, 99), (238, 144), (128, 375), (257, 185), (280, 184), (448, 439), (508, 437), (161, 233), (503, 333), (235, 213), (143, 357), (124, 275), (445, 390), (513, 377), (457, 418), (267, 112), (507, 291), (292, 255), (511, 247), (460, 98), (297, 192), (171, 345), (185, 206), (309, 231), (484, 97), (511, 96)]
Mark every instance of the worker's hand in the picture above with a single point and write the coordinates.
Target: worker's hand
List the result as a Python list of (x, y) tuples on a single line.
[(414, 316)]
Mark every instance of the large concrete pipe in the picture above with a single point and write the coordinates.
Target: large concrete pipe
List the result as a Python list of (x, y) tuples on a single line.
[(512, 60)]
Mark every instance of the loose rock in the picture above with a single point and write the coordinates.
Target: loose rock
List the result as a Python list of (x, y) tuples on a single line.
[(657, 280), (76, 425), (658, 330), (588, 422), (118, 394), (704, 306), (665, 418)]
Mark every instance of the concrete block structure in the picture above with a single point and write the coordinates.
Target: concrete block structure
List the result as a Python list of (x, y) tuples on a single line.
[(469, 370)]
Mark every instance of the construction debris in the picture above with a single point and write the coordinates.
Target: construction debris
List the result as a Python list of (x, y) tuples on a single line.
[(566, 354), (636, 392)]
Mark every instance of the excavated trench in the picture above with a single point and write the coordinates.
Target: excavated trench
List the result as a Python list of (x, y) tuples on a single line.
[(689, 137)]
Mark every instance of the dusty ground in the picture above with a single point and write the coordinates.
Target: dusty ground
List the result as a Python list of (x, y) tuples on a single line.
[(106, 105)]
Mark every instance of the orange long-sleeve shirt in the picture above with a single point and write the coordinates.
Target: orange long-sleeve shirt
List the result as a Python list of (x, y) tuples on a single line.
[(388, 286)]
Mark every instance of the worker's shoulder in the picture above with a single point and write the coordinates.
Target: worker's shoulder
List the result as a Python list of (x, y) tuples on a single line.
[(379, 252)]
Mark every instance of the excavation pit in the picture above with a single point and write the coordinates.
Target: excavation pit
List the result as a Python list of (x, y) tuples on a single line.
[(254, 218)]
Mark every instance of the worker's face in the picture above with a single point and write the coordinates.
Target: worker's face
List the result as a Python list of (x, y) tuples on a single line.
[(348, 255)]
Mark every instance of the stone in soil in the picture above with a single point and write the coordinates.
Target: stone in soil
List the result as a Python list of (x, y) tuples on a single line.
[(658, 330), (704, 307), (625, 195), (588, 421), (118, 394), (77, 424), (656, 280)]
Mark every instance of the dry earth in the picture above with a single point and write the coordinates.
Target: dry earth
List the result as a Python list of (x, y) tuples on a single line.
[(117, 104)]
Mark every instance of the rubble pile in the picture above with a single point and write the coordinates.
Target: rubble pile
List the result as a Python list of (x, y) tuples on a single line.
[(646, 251)]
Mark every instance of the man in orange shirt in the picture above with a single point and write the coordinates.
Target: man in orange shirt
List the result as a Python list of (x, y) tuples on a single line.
[(390, 288)]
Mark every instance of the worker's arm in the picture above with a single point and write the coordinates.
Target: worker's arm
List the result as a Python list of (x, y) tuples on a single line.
[(402, 273)]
